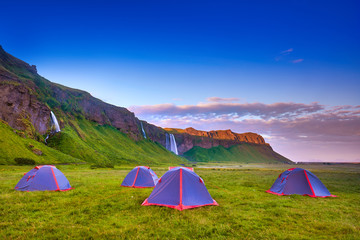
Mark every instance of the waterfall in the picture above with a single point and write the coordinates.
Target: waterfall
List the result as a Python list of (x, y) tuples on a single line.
[(171, 143), (46, 138), (54, 123), (142, 129), (54, 126)]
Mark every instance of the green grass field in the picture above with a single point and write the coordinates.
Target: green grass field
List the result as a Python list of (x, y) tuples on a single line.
[(98, 208)]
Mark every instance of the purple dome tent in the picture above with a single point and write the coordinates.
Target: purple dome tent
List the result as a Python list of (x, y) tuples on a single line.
[(43, 178), (190, 168), (180, 188), (299, 181), (140, 177)]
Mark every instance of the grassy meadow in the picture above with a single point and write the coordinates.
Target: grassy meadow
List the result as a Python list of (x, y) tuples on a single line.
[(98, 208)]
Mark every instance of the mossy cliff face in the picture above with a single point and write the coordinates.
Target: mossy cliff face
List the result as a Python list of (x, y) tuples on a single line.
[(78, 102), (22, 110)]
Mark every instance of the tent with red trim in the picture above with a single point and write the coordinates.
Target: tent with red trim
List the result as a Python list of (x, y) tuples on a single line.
[(190, 168), (299, 181), (43, 178), (180, 188), (140, 177)]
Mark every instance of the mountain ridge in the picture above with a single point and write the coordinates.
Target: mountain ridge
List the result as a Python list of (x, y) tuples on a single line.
[(190, 137), (27, 98)]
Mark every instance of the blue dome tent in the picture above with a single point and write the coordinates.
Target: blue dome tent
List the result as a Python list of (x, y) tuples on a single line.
[(180, 188), (140, 177), (299, 181), (43, 178)]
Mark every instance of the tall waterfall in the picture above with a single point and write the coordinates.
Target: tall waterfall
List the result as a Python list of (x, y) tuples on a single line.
[(171, 143), (54, 122), (142, 129), (54, 126)]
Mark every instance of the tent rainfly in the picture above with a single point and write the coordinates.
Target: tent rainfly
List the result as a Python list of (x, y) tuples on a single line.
[(180, 188), (140, 177), (299, 181), (190, 168), (43, 178)]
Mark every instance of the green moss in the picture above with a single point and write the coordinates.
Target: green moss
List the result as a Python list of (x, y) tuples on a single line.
[(2, 82), (28, 126), (52, 103)]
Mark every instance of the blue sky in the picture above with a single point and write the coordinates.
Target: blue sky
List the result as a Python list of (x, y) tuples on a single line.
[(153, 53)]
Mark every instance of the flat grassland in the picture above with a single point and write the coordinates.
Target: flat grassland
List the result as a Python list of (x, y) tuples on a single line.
[(98, 208)]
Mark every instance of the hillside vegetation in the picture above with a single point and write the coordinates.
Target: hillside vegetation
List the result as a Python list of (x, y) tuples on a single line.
[(242, 153), (84, 141), (95, 143), (14, 146)]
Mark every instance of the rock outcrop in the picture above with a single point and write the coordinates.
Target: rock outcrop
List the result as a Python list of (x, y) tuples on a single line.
[(188, 138), (21, 109)]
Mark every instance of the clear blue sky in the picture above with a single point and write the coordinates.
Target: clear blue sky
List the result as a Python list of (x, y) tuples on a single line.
[(134, 53)]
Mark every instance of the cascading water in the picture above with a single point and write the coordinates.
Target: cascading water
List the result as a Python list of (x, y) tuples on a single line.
[(54, 126), (171, 143), (142, 129), (54, 122)]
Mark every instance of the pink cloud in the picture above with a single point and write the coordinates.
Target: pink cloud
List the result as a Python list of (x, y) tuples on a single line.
[(265, 111), (299, 131), (297, 60), (218, 99), (284, 54), (287, 51)]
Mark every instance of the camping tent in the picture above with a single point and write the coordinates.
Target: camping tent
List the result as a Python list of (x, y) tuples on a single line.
[(43, 178), (180, 188), (140, 177), (190, 168), (299, 181)]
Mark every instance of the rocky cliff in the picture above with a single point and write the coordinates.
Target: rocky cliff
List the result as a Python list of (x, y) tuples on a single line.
[(19, 104), (190, 137)]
